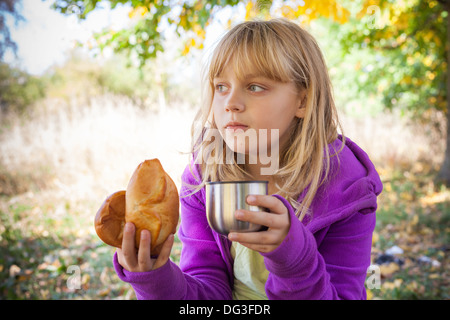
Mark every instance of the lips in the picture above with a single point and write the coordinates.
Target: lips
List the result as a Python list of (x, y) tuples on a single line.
[(233, 125)]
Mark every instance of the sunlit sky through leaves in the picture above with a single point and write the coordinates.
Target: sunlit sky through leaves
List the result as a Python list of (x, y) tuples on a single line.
[(46, 36)]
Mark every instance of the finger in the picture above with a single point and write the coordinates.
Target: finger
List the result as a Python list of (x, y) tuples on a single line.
[(144, 260), (128, 245), (267, 219), (262, 237), (164, 255), (270, 202), (259, 247), (120, 258)]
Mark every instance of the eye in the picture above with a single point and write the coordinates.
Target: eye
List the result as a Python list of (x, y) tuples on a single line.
[(255, 88), (221, 88)]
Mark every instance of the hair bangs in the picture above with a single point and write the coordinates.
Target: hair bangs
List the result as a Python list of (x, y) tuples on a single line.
[(251, 52)]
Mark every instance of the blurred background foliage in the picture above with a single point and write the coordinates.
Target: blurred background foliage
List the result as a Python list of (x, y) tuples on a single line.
[(74, 134), (19, 90)]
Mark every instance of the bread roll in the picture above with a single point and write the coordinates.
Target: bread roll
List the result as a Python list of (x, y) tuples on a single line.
[(110, 219), (150, 202)]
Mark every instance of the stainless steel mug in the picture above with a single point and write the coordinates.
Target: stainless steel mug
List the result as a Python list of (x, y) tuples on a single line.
[(223, 198)]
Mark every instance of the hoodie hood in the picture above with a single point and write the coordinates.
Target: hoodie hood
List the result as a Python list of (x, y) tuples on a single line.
[(353, 186)]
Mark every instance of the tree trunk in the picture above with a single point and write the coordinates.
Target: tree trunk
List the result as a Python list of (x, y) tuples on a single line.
[(444, 173)]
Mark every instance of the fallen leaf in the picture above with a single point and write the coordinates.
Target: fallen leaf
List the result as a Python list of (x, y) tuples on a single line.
[(375, 237), (14, 270), (392, 285), (104, 292), (388, 269)]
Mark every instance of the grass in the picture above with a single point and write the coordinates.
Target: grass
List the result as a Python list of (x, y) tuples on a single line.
[(40, 242), (414, 216), (57, 167)]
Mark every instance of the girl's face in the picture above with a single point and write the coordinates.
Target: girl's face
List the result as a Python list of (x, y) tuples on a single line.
[(242, 106)]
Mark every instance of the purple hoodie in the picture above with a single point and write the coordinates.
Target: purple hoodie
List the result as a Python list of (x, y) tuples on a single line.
[(325, 256)]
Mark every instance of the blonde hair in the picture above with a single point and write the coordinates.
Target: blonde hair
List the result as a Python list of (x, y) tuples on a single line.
[(283, 51)]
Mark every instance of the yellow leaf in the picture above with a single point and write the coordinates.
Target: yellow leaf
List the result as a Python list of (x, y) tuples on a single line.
[(406, 79), (104, 292), (229, 24), (388, 187), (199, 31), (406, 196), (392, 285), (430, 75), (389, 269), (322, 9), (186, 50), (375, 237), (198, 5), (437, 41), (197, 28), (248, 9), (141, 11), (368, 3), (190, 43), (427, 61), (85, 279), (432, 100), (289, 13), (328, 9), (412, 286), (415, 220), (183, 21)]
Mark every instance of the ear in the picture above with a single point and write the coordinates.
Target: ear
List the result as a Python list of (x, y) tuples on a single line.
[(301, 110)]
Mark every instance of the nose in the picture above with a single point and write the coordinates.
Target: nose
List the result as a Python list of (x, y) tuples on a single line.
[(233, 108), (235, 102)]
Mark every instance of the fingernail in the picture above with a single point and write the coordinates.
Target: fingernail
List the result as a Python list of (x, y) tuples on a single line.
[(238, 214), (128, 226), (144, 235), (251, 199), (232, 236)]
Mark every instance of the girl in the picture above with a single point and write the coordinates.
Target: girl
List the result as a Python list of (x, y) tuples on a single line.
[(268, 75)]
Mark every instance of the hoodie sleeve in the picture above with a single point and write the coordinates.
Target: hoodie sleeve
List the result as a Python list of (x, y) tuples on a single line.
[(299, 269), (202, 273)]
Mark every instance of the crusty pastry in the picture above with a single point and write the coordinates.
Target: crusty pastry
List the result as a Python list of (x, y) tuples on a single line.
[(110, 219), (150, 202)]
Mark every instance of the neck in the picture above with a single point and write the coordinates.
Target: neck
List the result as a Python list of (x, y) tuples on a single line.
[(255, 171)]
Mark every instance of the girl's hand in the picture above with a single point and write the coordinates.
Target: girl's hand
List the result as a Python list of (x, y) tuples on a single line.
[(277, 221), (140, 260)]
